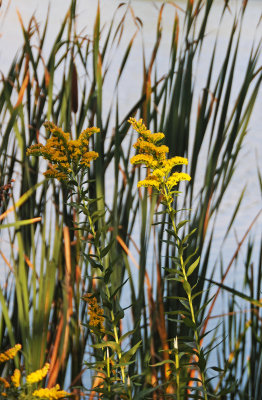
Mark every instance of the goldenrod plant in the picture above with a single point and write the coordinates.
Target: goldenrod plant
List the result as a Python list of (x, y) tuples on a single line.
[(162, 177), (69, 161)]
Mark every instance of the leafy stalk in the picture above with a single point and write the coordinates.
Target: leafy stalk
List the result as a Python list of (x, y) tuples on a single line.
[(82, 201), (161, 176), (186, 284)]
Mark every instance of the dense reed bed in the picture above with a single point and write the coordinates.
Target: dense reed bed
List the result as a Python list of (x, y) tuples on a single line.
[(61, 240)]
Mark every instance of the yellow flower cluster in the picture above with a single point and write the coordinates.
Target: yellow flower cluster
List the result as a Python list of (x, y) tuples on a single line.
[(38, 375), (96, 313), (52, 393), (10, 354), (64, 154), (154, 156), (16, 377), (34, 377)]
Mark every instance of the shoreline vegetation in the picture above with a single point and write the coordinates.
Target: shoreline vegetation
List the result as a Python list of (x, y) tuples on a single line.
[(71, 250)]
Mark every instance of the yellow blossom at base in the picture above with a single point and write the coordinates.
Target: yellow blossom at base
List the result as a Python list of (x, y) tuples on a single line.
[(38, 375), (10, 354), (52, 393), (15, 378)]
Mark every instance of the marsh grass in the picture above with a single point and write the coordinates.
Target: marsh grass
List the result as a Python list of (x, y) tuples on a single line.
[(41, 303)]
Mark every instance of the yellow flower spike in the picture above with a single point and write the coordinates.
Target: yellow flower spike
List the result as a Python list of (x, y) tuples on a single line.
[(137, 125), (10, 354), (146, 133), (153, 137), (35, 149), (58, 132), (177, 177), (88, 132), (16, 377), (150, 148), (74, 149), (64, 154), (52, 393), (49, 125), (52, 172), (38, 375), (146, 159), (173, 162), (88, 157), (159, 173), (150, 181), (153, 156), (95, 312)]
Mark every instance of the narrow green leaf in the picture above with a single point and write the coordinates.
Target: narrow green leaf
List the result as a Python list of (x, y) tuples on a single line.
[(193, 267), (126, 356), (17, 224)]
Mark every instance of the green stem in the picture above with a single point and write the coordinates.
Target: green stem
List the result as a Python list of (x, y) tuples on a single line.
[(91, 224), (119, 353), (108, 367), (177, 370), (129, 390), (180, 249)]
